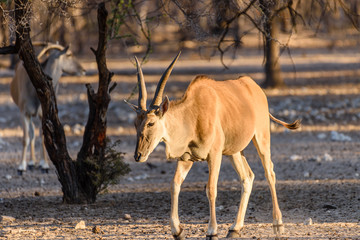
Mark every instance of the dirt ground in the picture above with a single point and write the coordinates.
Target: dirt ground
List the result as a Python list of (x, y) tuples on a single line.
[(317, 167)]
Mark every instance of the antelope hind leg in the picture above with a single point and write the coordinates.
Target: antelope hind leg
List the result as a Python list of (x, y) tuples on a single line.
[(262, 144)]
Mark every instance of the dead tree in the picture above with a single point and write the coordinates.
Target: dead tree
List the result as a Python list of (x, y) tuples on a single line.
[(94, 140)]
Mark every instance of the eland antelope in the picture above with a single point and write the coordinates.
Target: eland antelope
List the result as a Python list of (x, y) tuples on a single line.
[(213, 118), (24, 95)]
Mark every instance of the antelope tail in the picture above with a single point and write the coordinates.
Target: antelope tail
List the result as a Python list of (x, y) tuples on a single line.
[(292, 126)]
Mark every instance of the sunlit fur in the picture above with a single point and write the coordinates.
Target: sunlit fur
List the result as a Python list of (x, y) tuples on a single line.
[(212, 119)]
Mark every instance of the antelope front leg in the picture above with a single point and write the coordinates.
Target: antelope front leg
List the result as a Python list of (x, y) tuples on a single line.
[(182, 169), (32, 161), (26, 141), (214, 163)]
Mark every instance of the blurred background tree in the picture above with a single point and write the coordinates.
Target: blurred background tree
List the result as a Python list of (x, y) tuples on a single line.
[(208, 26), (227, 22)]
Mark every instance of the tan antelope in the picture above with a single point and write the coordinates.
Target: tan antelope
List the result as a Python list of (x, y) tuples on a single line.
[(212, 119), (24, 96)]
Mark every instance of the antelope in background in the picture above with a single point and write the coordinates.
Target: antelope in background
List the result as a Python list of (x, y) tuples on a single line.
[(212, 119), (24, 96)]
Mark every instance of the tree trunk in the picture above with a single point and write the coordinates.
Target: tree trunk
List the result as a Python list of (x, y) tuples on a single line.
[(76, 185), (273, 76), (94, 140), (272, 56)]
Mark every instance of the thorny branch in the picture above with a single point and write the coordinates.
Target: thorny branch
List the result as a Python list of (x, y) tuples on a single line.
[(122, 15), (53, 10), (226, 30)]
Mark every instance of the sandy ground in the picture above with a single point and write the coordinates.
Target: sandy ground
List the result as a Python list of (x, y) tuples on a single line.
[(317, 167)]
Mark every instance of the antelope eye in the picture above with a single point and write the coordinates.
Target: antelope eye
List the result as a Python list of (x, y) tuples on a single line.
[(150, 124)]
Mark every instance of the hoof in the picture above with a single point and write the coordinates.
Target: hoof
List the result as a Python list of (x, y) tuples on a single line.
[(278, 229), (233, 234), (212, 237), (44, 170), (31, 167), (20, 172), (180, 236)]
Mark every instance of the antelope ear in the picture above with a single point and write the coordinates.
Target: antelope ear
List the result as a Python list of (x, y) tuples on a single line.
[(133, 107), (65, 49), (164, 106), (62, 51)]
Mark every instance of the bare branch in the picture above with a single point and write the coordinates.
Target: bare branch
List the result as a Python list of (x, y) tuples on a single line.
[(8, 50), (146, 33), (350, 15), (226, 31), (242, 12), (112, 87)]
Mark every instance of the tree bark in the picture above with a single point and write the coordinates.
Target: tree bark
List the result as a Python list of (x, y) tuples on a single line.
[(273, 76), (94, 139), (272, 56)]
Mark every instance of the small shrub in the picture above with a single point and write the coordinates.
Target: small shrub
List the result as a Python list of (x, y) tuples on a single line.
[(106, 170)]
